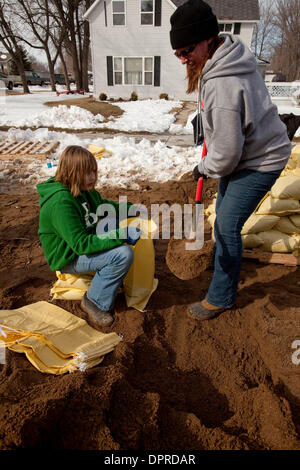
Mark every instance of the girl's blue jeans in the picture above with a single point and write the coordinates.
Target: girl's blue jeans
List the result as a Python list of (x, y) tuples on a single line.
[(238, 196), (111, 267)]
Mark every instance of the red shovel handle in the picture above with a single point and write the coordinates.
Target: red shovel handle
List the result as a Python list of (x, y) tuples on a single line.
[(199, 190), (200, 180)]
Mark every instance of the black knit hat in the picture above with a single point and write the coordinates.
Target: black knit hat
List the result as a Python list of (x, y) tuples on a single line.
[(191, 23)]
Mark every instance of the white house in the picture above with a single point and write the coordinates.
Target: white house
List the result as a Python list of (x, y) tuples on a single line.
[(131, 48)]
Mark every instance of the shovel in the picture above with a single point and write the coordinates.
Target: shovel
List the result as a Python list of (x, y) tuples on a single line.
[(198, 198), (186, 263)]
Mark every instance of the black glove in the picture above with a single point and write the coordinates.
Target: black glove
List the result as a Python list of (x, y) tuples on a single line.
[(197, 174), (134, 235)]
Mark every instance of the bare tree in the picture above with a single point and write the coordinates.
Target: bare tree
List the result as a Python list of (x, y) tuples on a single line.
[(8, 37), (38, 18), (263, 32), (286, 57), (77, 38)]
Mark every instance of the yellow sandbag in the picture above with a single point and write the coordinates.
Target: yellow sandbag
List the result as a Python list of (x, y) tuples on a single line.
[(285, 225), (295, 154), (259, 223), (54, 340), (139, 283), (291, 164), (276, 206), (278, 242), (286, 187), (211, 220), (251, 240), (99, 152), (71, 286), (295, 219), (211, 209)]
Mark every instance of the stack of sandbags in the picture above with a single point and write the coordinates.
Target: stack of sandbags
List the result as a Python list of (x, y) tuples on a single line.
[(54, 340), (275, 224)]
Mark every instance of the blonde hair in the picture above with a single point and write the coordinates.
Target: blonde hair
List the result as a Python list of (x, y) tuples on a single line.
[(74, 164)]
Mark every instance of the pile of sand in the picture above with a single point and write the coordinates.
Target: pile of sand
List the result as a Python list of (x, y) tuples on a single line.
[(173, 382)]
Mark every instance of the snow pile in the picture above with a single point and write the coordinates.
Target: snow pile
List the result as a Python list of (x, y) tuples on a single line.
[(139, 116), (130, 161), (64, 117), (144, 116)]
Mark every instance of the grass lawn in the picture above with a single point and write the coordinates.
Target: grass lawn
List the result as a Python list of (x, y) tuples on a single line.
[(90, 104)]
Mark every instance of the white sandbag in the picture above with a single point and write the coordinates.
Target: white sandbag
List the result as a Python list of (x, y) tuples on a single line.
[(259, 223), (276, 206), (295, 219), (251, 240), (285, 225), (278, 242), (286, 187)]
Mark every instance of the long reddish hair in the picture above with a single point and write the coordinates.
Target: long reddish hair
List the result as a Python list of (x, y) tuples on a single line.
[(193, 75), (74, 164)]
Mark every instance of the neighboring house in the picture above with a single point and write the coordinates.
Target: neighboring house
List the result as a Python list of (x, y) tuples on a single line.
[(262, 66), (131, 48)]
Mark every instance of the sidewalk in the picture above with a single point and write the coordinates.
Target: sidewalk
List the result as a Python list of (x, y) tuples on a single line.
[(184, 140)]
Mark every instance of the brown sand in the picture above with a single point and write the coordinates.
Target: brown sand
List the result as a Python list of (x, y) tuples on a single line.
[(188, 264), (173, 382)]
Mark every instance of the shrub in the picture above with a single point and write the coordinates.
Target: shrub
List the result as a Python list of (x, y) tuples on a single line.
[(102, 97), (164, 96), (134, 96)]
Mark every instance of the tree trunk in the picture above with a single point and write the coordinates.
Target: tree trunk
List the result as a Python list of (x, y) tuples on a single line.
[(85, 56), (51, 64), (63, 62), (21, 69)]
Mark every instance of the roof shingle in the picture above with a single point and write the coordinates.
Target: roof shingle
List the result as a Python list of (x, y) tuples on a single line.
[(231, 9)]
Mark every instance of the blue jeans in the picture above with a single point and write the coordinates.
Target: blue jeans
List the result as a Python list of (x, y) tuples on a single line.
[(111, 267), (238, 196)]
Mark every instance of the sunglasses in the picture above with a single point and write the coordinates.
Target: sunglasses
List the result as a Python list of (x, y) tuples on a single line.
[(185, 52)]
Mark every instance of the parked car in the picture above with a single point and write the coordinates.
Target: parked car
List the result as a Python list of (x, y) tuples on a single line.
[(32, 78), (59, 79), (7, 81)]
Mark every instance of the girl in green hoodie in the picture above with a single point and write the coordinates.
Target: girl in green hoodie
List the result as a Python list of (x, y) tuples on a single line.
[(70, 210)]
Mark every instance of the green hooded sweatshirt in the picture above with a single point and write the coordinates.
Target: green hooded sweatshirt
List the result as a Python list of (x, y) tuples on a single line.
[(67, 225)]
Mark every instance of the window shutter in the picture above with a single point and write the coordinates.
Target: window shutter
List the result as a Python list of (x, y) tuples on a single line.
[(157, 71), (105, 14), (237, 28), (109, 65), (157, 21)]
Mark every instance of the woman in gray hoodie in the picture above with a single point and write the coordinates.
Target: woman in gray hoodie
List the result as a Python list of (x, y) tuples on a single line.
[(247, 144)]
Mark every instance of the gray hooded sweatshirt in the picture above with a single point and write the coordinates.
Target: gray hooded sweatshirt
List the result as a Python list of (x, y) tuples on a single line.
[(242, 128)]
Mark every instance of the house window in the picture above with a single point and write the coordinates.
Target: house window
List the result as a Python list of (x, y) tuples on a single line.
[(147, 11), (118, 70), (226, 27), (118, 9), (233, 28), (133, 70)]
